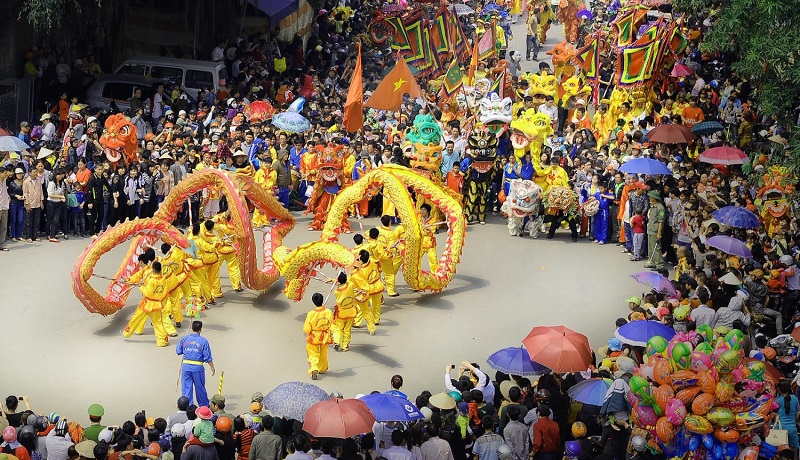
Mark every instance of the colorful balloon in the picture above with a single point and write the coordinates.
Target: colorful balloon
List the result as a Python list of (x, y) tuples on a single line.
[(661, 372), (720, 416), (698, 424), (708, 441), (728, 361), (665, 430), (735, 339), (644, 416), (657, 345), (749, 453), (705, 331), (724, 391), (704, 347), (675, 411), (702, 404), (680, 354), (663, 394), (687, 395), (683, 379), (756, 370), (699, 361), (706, 382), (726, 434), (746, 421)]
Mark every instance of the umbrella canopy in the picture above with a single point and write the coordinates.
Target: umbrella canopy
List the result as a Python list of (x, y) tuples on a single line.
[(293, 399), (390, 408), (585, 14), (737, 216), (637, 333), (724, 156), (729, 245), (12, 144), (681, 70), (463, 10), (338, 418), (707, 128), (515, 361), (671, 134), (657, 282), (591, 391), (291, 120), (559, 348), (647, 166)]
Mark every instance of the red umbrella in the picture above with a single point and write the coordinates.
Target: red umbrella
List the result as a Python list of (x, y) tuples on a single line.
[(724, 156), (680, 70), (558, 348), (671, 134), (259, 110), (338, 418)]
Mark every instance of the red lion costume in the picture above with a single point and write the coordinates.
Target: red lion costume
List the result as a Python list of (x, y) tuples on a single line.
[(119, 139)]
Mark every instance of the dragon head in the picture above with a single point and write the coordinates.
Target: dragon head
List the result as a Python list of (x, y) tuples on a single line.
[(425, 159), (330, 160), (483, 145), (425, 130), (542, 86), (562, 54), (118, 139), (523, 198), (573, 89), (531, 127), (496, 113)]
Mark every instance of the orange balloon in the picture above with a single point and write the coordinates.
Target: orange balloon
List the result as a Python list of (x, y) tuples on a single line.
[(687, 395), (726, 434), (706, 382), (665, 430), (663, 394), (702, 404), (683, 379), (661, 372)]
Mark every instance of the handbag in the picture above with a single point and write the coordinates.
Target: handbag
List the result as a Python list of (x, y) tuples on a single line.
[(72, 200), (777, 436)]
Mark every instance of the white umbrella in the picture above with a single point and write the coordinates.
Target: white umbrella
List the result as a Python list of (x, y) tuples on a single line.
[(463, 10), (12, 144)]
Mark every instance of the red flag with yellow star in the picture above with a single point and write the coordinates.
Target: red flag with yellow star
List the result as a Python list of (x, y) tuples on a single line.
[(389, 93)]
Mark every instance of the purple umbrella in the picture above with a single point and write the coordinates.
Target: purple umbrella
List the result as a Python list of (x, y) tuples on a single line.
[(515, 361), (591, 391), (737, 216), (729, 245), (657, 282), (637, 333), (585, 14)]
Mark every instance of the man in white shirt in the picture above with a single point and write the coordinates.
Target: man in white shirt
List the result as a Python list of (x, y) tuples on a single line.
[(218, 53), (397, 452), (550, 110), (435, 448), (48, 128), (58, 442)]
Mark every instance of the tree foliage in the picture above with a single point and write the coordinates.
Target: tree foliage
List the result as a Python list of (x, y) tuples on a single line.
[(764, 36), (44, 15)]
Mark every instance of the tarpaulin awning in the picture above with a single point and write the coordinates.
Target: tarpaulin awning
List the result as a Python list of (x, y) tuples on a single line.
[(276, 9)]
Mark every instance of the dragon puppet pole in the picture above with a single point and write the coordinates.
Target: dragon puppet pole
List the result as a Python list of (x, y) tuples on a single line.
[(360, 225), (333, 285)]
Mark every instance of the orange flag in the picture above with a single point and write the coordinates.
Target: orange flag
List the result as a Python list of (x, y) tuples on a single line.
[(353, 107), (473, 63), (389, 93)]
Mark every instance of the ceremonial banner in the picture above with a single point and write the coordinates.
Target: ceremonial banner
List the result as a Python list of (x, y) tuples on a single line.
[(589, 58), (486, 44), (678, 41), (399, 39), (453, 80), (633, 62), (353, 110), (623, 26), (499, 85)]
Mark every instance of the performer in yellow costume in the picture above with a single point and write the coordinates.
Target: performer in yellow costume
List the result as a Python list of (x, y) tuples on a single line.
[(428, 240), (367, 278), (344, 313), (391, 242), (154, 291), (317, 328), (227, 250), (368, 246), (264, 177), (198, 273), (175, 270)]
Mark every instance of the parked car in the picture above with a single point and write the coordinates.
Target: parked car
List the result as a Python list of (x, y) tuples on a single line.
[(113, 93), (192, 75)]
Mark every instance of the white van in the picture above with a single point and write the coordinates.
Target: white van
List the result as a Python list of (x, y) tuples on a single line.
[(192, 75)]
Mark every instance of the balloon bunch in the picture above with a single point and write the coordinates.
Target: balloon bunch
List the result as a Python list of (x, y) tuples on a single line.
[(698, 398)]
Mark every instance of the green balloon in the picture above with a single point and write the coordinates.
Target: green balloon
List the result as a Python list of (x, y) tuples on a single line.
[(704, 347), (681, 352), (727, 361), (656, 345), (455, 395), (734, 338), (705, 331)]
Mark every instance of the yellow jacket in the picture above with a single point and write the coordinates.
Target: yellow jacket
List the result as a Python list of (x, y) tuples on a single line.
[(266, 177), (172, 267), (368, 278), (317, 326), (345, 300), (154, 291), (226, 232), (207, 247), (428, 240)]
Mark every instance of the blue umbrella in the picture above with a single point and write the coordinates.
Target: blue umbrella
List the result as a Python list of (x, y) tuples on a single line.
[(707, 128), (389, 408), (515, 361), (729, 245), (291, 120), (737, 216), (637, 333), (658, 282), (591, 391), (12, 144), (293, 399), (645, 166)]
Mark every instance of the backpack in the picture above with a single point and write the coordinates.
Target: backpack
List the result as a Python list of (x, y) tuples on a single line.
[(36, 132)]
